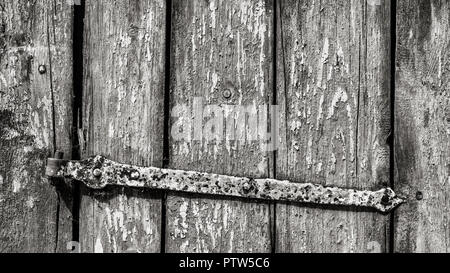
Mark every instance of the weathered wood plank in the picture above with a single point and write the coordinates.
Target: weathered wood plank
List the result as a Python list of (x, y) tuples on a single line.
[(34, 33), (123, 119), (221, 54), (422, 126), (333, 90)]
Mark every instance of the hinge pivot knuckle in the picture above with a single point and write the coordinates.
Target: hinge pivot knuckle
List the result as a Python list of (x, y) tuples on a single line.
[(54, 165)]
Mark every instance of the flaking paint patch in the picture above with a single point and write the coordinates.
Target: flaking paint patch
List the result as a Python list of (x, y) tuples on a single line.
[(213, 8), (374, 2), (125, 40), (30, 202), (119, 217), (230, 249), (19, 176), (322, 62), (309, 159), (262, 166), (320, 111), (10, 134), (319, 168), (111, 130), (109, 224), (339, 96), (98, 247), (340, 61), (292, 72), (262, 29), (351, 133), (180, 223), (295, 125), (184, 246), (215, 81)]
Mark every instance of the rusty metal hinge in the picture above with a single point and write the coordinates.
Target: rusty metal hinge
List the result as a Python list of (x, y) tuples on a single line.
[(98, 172)]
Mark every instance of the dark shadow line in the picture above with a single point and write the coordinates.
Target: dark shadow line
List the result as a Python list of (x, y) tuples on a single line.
[(52, 95), (166, 137), (393, 36), (77, 118), (274, 136)]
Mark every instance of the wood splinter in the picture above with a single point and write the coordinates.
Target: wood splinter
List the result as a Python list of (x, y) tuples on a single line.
[(98, 172)]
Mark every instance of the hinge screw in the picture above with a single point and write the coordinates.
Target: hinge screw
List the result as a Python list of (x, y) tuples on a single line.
[(385, 200), (135, 175), (227, 94), (42, 69), (246, 187), (97, 173)]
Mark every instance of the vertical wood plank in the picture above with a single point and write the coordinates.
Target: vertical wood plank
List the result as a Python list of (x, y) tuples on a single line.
[(33, 218), (123, 119), (333, 88), (221, 54), (422, 126)]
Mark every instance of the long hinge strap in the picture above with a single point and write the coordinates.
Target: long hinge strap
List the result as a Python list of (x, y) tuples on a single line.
[(98, 172)]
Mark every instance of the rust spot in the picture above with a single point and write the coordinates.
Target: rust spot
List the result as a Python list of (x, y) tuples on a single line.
[(419, 195)]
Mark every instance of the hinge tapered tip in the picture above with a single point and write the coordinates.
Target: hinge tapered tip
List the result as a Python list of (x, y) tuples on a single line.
[(389, 201), (54, 165)]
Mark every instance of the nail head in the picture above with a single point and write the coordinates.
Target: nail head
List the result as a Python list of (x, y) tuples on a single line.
[(419, 195), (42, 69), (227, 94)]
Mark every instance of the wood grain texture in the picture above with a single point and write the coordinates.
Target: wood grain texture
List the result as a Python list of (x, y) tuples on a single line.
[(422, 126), (333, 89), (123, 119), (34, 33), (219, 47)]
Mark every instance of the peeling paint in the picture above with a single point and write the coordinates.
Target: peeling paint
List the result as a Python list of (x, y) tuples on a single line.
[(180, 223), (98, 245), (30, 202), (339, 96), (19, 176)]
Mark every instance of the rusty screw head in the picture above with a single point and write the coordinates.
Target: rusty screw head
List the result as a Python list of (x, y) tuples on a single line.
[(42, 69), (97, 173), (135, 175), (227, 94), (419, 195), (385, 200)]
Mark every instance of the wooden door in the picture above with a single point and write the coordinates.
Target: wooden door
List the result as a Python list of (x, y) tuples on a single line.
[(331, 80)]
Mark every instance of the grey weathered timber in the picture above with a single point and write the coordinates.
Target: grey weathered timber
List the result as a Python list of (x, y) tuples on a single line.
[(99, 173), (333, 78), (422, 126), (35, 119), (123, 118), (221, 52)]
